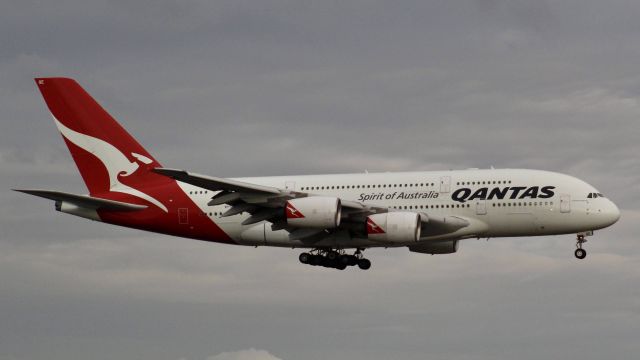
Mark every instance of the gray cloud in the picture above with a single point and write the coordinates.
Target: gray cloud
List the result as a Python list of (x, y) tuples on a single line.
[(255, 88)]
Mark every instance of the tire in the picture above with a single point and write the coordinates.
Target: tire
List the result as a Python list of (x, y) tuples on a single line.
[(324, 261), (353, 261), (580, 253), (304, 258), (364, 264), (332, 255), (315, 260), (331, 263)]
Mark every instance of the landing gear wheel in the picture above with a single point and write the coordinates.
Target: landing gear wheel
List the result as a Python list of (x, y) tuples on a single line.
[(315, 260), (334, 258), (353, 260), (347, 260), (581, 253), (364, 264), (304, 258)]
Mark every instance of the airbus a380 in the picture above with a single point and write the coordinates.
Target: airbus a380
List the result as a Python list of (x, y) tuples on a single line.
[(334, 217)]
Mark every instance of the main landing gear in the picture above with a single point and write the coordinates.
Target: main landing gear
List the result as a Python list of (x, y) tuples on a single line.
[(336, 259), (580, 252)]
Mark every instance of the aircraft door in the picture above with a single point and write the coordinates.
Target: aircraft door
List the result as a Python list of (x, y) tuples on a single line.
[(290, 185), (445, 184), (481, 207), (565, 203), (183, 216)]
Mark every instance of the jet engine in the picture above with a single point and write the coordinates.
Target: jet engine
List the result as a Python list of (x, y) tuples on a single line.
[(397, 227), (314, 212)]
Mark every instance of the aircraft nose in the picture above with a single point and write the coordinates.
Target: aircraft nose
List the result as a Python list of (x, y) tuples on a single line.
[(610, 214)]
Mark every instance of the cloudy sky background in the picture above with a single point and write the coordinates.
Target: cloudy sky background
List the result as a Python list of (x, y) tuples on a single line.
[(250, 88)]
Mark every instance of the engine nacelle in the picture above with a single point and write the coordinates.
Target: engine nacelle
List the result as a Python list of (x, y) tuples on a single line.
[(398, 227), (314, 212), (436, 247)]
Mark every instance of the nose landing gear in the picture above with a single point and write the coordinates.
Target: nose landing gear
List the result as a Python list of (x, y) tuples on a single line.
[(580, 253), (336, 259)]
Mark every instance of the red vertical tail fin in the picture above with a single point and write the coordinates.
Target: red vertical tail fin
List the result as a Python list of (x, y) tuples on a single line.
[(108, 158)]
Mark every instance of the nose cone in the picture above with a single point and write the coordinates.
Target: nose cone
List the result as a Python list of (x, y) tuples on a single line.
[(610, 214)]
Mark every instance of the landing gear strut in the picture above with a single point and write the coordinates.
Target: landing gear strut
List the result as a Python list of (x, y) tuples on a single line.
[(580, 253), (337, 259)]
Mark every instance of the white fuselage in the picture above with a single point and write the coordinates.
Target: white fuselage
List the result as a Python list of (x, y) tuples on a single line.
[(497, 203)]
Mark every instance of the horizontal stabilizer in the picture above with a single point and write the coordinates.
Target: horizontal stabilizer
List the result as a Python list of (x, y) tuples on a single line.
[(84, 201)]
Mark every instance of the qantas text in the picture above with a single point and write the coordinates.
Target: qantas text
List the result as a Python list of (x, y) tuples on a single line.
[(513, 192)]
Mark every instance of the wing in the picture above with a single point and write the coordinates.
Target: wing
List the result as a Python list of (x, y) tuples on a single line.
[(267, 203)]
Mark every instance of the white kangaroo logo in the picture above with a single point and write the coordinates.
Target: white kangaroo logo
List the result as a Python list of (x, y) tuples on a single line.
[(113, 159), (294, 212)]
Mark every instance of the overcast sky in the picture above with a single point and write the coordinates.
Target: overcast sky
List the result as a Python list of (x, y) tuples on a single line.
[(251, 88)]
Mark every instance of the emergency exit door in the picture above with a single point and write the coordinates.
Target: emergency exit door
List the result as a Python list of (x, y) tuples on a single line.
[(445, 184), (481, 207), (565, 203), (290, 185)]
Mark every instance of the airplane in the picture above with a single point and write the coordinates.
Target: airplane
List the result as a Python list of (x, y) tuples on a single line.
[(326, 215)]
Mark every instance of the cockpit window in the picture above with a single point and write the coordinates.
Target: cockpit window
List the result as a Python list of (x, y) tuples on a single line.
[(594, 195)]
